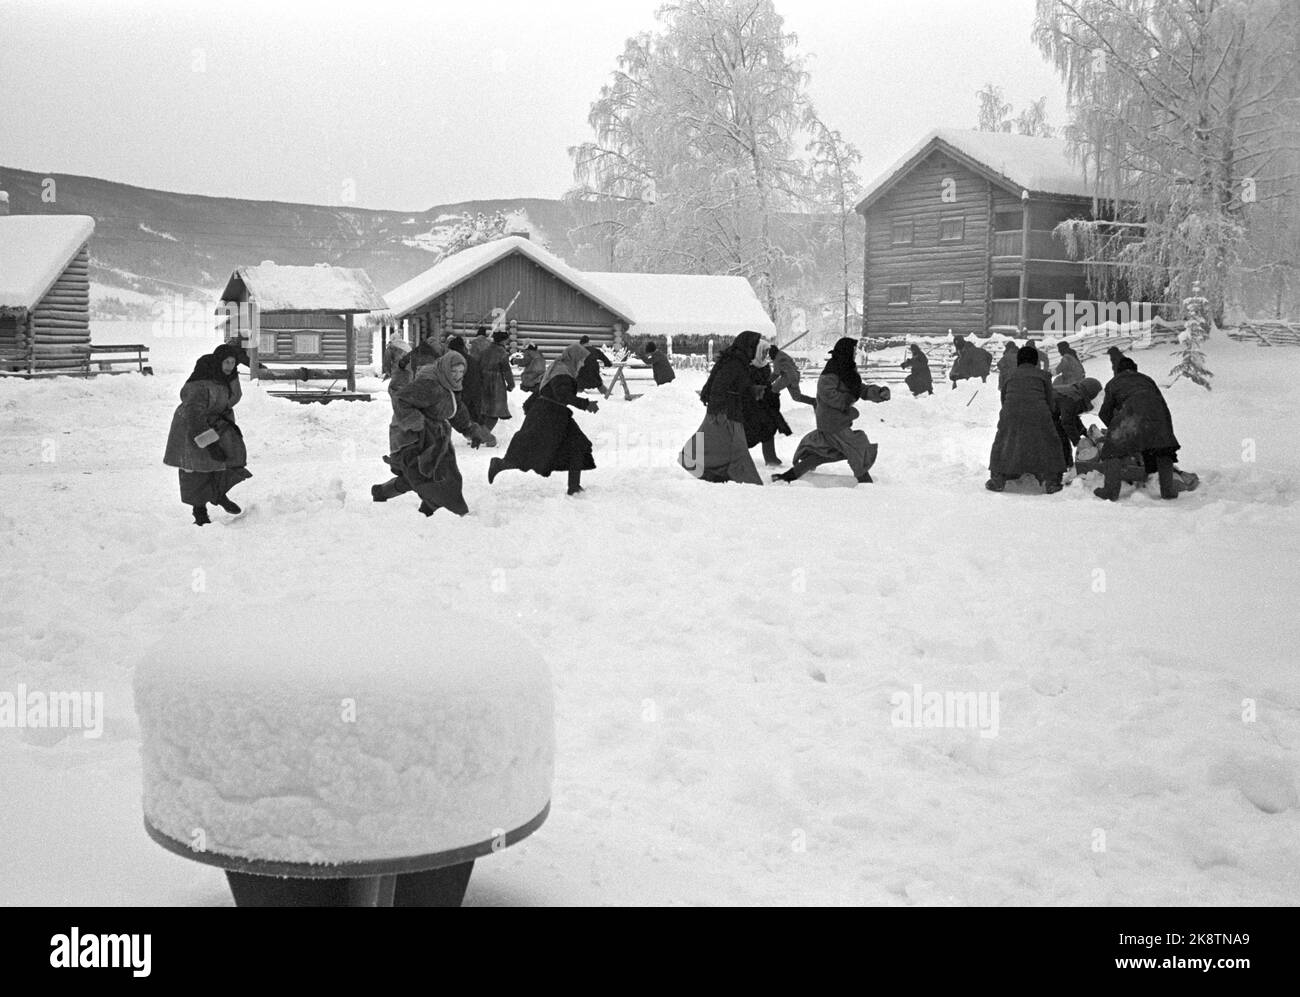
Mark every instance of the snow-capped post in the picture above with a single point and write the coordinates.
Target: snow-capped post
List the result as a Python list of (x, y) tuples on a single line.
[(1191, 363), (316, 772)]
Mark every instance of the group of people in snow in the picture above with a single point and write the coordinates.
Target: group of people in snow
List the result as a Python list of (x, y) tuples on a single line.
[(464, 387)]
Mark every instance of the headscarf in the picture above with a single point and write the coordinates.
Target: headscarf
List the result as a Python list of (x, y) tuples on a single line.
[(1090, 388), (744, 347), (569, 362), (1027, 355), (442, 370), (208, 367), (916, 353), (842, 364), (1010, 348)]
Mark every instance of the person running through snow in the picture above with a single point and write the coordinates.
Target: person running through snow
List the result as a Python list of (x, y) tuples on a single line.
[(762, 410), (498, 379), (971, 361), (1026, 441), (787, 375), (835, 439), (661, 368), (718, 450), (471, 395), (1137, 422), (918, 381), (534, 368), (204, 442), (421, 455), (589, 374), (550, 439)]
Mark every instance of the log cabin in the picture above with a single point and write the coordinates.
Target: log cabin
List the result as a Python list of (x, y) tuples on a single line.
[(44, 292), (300, 315), (513, 283), (960, 235)]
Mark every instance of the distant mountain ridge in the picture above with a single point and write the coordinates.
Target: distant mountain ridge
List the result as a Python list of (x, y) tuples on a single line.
[(159, 244)]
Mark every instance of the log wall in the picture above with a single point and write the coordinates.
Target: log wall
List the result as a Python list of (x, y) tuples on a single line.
[(333, 334), (59, 329)]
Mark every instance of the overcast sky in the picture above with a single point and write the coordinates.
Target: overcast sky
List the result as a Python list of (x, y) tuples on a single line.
[(424, 103)]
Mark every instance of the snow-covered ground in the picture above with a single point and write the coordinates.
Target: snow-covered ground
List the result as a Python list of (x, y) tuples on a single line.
[(727, 660)]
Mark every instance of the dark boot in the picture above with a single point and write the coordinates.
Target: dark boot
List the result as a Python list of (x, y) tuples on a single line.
[(769, 454), (495, 466), (996, 482), (1052, 485), (798, 470), (575, 478), (1165, 473), (1111, 468), (865, 478), (229, 506), (201, 515), (426, 509)]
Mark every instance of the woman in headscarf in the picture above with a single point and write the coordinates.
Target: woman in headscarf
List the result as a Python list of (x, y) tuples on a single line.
[(534, 368), (1006, 363), (425, 411), (204, 442), (762, 408), (835, 439), (918, 381), (498, 379), (1070, 369), (550, 440), (1026, 440), (718, 451), (471, 395)]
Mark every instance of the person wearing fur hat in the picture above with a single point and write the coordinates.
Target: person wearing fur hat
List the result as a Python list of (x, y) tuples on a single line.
[(1070, 369), (1068, 403), (421, 455), (718, 451), (835, 439), (534, 368), (550, 439), (1026, 441), (1137, 422), (498, 380), (918, 381), (204, 442)]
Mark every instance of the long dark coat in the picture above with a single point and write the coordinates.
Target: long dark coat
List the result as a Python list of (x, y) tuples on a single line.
[(762, 415), (718, 451), (1006, 364), (972, 361), (918, 381), (660, 366), (1026, 440), (419, 440), (589, 376), (497, 379), (550, 440), (206, 405), (835, 439), (1136, 417)]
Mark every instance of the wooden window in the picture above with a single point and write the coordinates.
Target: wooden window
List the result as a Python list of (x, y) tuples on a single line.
[(902, 234), (952, 292), (306, 344), (898, 294), (952, 228), (266, 344)]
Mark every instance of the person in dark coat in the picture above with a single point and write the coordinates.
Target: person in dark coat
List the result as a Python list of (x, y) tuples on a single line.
[(1026, 440), (1070, 369), (479, 343), (550, 439), (786, 375), (534, 368), (1068, 403), (762, 411), (1044, 364), (918, 381), (718, 450), (1137, 422), (471, 395), (204, 442), (1006, 362), (589, 375), (1115, 358), (497, 379), (661, 367), (971, 361), (425, 411), (835, 439)]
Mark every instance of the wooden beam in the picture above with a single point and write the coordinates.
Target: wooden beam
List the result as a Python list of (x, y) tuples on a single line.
[(988, 261), (866, 269), (1024, 263), (350, 337)]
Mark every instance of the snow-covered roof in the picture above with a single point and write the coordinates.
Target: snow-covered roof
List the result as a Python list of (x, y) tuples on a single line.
[(682, 304), (318, 288), (1018, 162), (459, 267), (34, 250)]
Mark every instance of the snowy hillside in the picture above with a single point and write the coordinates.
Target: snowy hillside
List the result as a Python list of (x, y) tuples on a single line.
[(727, 660)]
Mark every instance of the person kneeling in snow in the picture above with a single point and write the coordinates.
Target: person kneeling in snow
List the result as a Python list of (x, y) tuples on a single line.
[(1068, 403), (835, 439), (1026, 440), (1137, 422), (422, 458), (204, 441), (550, 440)]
